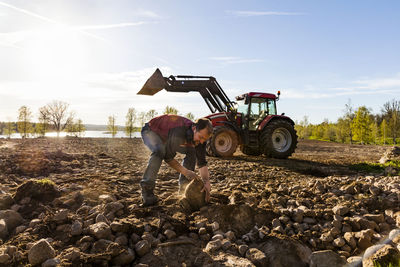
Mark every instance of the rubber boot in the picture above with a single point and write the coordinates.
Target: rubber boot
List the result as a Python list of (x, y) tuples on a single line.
[(148, 197)]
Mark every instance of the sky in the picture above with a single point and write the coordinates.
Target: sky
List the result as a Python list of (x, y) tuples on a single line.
[(96, 55)]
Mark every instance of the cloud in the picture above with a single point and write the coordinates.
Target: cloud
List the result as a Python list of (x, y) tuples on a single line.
[(241, 13), (234, 60), (147, 14)]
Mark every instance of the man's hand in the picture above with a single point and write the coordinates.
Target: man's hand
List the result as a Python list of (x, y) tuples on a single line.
[(191, 175), (207, 189)]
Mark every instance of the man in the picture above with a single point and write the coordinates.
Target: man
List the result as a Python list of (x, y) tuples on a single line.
[(166, 135)]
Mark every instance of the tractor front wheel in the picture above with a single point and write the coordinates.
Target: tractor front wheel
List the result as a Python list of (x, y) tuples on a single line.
[(223, 142), (278, 139)]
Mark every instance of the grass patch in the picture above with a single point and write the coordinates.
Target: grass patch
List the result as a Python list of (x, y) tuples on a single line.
[(375, 167), (390, 264), (45, 182)]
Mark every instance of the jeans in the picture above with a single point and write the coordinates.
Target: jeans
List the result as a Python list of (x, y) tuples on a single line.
[(153, 141)]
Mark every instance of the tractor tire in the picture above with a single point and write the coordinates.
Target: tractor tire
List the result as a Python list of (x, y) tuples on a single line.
[(278, 139), (224, 141), (209, 150), (250, 151)]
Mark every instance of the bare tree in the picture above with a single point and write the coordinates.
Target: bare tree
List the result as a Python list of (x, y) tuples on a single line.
[(9, 129), (170, 110), (130, 122), (57, 114), (43, 125), (151, 114), (24, 121), (112, 128)]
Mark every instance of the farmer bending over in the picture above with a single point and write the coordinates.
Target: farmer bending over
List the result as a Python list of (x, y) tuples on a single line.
[(164, 136)]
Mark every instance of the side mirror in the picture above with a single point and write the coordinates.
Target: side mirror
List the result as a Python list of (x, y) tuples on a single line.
[(283, 114)]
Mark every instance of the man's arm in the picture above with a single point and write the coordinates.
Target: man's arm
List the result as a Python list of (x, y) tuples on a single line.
[(179, 168), (205, 175)]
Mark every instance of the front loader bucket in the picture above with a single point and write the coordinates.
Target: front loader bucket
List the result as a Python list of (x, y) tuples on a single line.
[(154, 84)]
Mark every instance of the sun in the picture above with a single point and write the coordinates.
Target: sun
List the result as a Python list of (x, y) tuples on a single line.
[(56, 54)]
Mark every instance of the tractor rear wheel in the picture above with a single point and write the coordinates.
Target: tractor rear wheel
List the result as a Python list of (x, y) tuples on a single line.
[(223, 142), (278, 139)]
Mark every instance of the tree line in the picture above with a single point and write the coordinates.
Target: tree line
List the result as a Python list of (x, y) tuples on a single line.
[(55, 116), (357, 125)]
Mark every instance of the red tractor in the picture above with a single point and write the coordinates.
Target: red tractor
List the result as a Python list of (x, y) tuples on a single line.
[(251, 122)]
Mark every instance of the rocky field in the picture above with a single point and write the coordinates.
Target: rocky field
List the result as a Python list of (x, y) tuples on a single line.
[(76, 202)]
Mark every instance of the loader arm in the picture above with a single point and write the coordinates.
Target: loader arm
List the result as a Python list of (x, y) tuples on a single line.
[(207, 86)]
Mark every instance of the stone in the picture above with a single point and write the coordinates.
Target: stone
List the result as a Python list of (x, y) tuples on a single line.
[(122, 240), (169, 234), (275, 223), (5, 259), (51, 262), (378, 218), (384, 256), (113, 207), (217, 236), (354, 261), (340, 210), (76, 228), (350, 240), (215, 226), (11, 218), (242, 249), (213, 246), (257, 257), (3, 229), (142, 247), (100, 230), (61, 216), (226, 244), (202, 231), (364, 241), (339, 242), (101, 218), (20, 229), (193, 198), (394, 235), (40, 252), (326, 258), (125, 258), (6, 201), (230, 235), (119, 227)]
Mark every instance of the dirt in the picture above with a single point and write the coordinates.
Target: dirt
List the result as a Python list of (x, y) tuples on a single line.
[(91, 175)]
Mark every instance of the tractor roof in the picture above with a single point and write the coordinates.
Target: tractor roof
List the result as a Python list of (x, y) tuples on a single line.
[(256, 94)]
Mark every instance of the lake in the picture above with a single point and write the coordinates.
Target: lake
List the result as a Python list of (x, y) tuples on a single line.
[(98, 134)]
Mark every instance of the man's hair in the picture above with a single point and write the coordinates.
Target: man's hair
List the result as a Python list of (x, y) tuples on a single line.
[(202, 123)]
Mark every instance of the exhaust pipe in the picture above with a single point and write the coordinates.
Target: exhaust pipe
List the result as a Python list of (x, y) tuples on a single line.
[(154, 84)]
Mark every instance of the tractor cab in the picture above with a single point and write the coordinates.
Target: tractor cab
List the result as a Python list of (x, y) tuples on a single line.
[(254, 107)]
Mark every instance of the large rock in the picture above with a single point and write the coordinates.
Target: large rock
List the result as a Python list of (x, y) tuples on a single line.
[(12, 218), (40, 252), (3, 229), (326, 258), (5, 201), (43, 190), (193, 198), (257, 257), (384, 256), (285, 252), (142, 247), (124, 258), (100, 230)]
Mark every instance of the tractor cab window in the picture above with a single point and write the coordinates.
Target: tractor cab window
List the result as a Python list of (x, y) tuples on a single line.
[(242, 107), (259, 109)]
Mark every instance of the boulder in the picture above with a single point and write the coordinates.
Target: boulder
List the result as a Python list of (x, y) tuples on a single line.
[(385, 256), (3, 229), (142, 247), (257, 257), (193, 198), (284, 251), (6, 201), (40, 252), (326, 258), (12, 218), (100, 230), (125, 258)]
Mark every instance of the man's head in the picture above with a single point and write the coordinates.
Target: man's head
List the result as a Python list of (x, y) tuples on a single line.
[(202, 130)]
